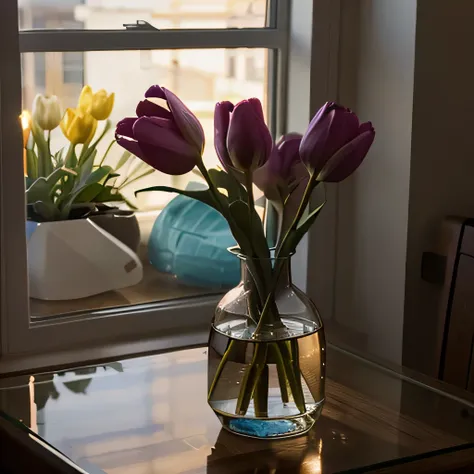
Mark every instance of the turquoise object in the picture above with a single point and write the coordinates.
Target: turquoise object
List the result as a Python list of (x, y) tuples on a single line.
[(189, 239), (263, 428)]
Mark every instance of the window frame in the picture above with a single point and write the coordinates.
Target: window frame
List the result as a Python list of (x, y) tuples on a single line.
[(304, 34)]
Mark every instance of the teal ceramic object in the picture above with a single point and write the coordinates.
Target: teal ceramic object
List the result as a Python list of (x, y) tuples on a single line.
[(190, 239)]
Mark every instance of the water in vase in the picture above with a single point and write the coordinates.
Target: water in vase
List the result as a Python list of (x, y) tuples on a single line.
[(267, 389)]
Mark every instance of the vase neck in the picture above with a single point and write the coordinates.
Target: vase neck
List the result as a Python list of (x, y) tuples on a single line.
[(253, 268)]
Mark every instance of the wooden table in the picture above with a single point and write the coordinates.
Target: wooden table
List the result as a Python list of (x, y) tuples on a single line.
[(149, 415)]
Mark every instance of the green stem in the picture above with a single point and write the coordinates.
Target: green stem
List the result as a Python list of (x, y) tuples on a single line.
[(69, 156), (260, 396), (249, 381), (282, 379), (302, 207), (220, 368), (251, 202), (49, 143), (291, 362), (106, 153)]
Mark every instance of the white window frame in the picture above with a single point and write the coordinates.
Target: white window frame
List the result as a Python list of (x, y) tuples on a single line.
[(305, 35)]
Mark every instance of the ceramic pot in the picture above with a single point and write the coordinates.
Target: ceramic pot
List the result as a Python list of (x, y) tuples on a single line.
[(77, 258), (121, 224)]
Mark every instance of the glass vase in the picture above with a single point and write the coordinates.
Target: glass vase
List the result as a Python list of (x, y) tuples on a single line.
[(266, 368)]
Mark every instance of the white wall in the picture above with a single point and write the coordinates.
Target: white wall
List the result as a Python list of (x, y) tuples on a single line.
[(377, 61), (442, 163)]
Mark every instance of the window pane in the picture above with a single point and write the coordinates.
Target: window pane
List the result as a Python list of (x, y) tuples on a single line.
[(200, 78), (162, 14)]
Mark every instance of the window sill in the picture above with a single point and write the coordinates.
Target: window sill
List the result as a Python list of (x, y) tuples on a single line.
[(83, 356)]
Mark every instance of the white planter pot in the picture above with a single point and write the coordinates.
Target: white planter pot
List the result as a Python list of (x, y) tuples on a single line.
[(77, 258)]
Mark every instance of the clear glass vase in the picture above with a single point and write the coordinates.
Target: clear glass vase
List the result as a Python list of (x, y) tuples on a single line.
[(266, 369)]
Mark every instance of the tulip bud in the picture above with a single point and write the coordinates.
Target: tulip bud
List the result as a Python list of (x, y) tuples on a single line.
[(249, 142), (99, 105), (46, 111), (77, 126), (335, 143), (170, 139)]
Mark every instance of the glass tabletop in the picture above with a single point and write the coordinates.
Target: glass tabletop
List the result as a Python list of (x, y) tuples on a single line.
[(149, 415)]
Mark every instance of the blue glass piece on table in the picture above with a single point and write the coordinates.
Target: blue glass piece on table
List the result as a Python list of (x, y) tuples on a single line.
[(262, 428), (189, 239)]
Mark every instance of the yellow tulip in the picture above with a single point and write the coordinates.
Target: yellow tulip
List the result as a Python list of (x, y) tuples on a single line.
[(78, 126), (99, 105)]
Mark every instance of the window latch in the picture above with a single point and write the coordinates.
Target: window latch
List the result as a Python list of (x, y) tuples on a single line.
[(140, 25)]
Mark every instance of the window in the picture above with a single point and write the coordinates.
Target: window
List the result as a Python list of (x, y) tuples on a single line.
[(186, 46)]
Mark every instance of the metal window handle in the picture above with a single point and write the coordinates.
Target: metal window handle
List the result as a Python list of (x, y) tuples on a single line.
[(139, 25)]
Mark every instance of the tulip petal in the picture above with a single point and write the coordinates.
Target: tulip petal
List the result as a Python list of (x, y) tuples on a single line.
[(162, 160), (188, 124), (166, 161), (125, 127), (345, 127), (365, 127), (130, 145), (147, 131), (147, 108), (314, 140), (347, 159), (288, 154), (221, 127), (155, 91), (248, 141), (164, 123)]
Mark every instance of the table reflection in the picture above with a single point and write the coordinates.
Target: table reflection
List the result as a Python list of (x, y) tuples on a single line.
[(149, 416)]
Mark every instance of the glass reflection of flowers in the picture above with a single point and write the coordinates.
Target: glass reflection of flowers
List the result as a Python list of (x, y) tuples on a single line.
[(72, 181), (166, 135)]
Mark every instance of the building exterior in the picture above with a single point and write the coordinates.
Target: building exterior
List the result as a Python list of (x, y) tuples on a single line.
[(199, 77)]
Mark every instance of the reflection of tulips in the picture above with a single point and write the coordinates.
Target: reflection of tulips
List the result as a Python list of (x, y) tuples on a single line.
[(78, 126), (169, 139), (335, 144), (99, 104), (46, 112)]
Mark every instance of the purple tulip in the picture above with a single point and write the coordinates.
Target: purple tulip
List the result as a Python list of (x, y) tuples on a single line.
[(335, 144), (283, 170), (221, 127), (171, 141), (242, 140)]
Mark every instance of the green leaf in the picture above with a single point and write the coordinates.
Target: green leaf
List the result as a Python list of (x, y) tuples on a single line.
[(126, 155), (71, 157), (45, 164), (111, 176), (88, 193), (146, 173), (109, 194), (203, 195), (234, 189), (41, 189), (239, 211), (47, 210), (85, 170), (98, 175), (58, 158), (295, 236), (31, 164)]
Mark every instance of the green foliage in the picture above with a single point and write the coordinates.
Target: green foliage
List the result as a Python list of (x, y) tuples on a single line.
[(75, 185)]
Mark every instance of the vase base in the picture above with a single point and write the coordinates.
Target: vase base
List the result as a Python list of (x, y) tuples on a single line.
[(272, 428)]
